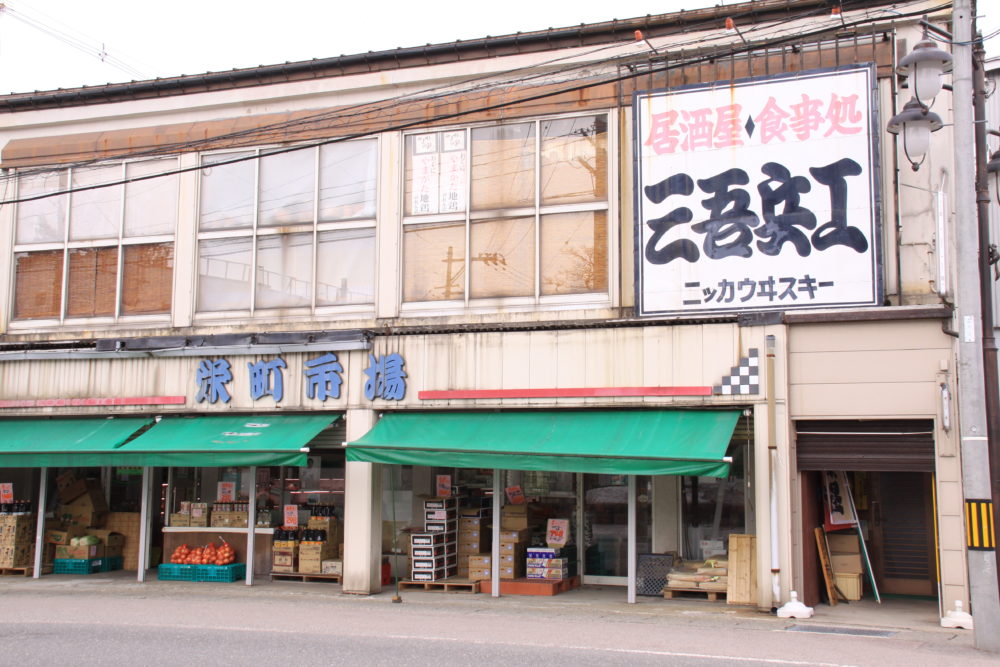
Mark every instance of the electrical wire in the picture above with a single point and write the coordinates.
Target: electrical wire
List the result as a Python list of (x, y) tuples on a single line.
[(593, 81)]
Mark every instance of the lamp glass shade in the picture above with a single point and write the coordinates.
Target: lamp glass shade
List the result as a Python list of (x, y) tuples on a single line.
[(926, 80), (994, 181), (916, 139)]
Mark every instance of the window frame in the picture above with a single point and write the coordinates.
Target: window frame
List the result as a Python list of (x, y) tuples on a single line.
[(257, 231), (118, 242), (608, 206)]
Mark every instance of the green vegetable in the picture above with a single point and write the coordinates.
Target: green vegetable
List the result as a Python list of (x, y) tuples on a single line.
[(74, 542), (89, 540)]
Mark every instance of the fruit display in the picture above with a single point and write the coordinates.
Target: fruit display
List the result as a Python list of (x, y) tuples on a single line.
[(209, 554)]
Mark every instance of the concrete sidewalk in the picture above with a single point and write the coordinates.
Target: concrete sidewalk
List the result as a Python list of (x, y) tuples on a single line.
[(910, 619)]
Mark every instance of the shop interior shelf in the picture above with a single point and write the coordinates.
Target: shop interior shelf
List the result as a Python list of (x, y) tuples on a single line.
[(86, 565)]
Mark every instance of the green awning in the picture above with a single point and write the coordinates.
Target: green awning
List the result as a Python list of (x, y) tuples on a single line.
[(227, 440), (70, 443), (624, 442)]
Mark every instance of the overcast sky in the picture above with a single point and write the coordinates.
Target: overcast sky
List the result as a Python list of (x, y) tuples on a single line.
[(144, 39)]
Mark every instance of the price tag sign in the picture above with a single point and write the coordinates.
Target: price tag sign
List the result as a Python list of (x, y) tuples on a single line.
[(515, 495), (7, 492), (226, 492), (291, 515), (557, 532), (443, 486)]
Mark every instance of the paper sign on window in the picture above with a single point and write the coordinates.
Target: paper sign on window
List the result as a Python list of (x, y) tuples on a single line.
[(291, 515), (7, 492), (443, 486), (226, 492), (515, 495)]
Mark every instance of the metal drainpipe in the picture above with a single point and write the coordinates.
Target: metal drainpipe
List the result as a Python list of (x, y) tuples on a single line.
[(990, 374), (772, 453)]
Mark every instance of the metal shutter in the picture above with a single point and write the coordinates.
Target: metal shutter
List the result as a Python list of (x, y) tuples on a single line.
[(885, 445)]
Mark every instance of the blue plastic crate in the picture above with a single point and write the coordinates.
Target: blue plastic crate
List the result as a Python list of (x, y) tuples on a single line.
[(177, 572), (112, 563), (78, 565), (223, 573)]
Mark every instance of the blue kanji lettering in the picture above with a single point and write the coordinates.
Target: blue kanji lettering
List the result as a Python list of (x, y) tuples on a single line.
[(212, 377), (262, 373), (323, 377), (386, 377)]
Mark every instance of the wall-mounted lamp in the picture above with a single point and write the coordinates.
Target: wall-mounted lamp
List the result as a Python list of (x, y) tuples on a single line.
[(915, 122), (923, 67)]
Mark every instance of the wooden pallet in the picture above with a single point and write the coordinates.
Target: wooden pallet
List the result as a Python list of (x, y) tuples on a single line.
[(670, 593), (301, 576), (452, 585), (23, 571)]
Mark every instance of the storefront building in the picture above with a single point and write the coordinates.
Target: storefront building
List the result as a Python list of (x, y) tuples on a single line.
[(476, 261)]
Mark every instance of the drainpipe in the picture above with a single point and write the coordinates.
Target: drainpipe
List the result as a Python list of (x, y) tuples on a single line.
[(772, 453)]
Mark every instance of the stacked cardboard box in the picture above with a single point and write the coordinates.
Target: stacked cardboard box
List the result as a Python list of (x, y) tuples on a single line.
[(81, 502), (199, 515), (127, 525), (480, 567), (284, 556), (845, 561), (475, 536), (228, 519), (17, 540), (312, 555), (514, 536), (548, 563), (434, 553)]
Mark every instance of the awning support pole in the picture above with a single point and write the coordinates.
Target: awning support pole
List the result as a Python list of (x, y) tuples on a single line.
[(145, 519), (495, 559), (43, 490), (631, 539), (251, 523), (170, 497)]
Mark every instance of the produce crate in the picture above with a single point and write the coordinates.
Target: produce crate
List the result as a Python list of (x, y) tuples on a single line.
[(112, 563), (177, 572), (78, 565), (224, 573)]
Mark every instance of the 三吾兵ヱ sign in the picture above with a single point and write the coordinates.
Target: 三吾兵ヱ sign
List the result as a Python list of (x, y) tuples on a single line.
[(757, 195)]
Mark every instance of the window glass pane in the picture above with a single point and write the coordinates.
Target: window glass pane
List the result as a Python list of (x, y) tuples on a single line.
[(42, 220), (347, 180), (346, 269), (503, 166), (38, 284), (503, 258), (147, 278), (284, 270), (224, 274), (151, 205), (436, 172), (95, 214), (434, 261), (227, 193), (574, 160), (287, 185), (574, 253), (93, 282)]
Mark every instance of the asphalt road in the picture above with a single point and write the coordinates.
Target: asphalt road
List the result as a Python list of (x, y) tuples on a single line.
[(81, 621)]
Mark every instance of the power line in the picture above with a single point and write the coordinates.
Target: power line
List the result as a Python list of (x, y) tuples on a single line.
[(593, 81)]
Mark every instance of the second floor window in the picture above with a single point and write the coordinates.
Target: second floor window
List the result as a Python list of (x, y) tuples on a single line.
[(507, 210), (287, 229), (104, 252)]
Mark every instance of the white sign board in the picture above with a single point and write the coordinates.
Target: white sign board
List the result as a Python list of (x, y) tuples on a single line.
[(759, 195)]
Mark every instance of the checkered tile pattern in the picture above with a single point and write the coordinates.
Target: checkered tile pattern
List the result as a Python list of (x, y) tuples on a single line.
[(744, 379)]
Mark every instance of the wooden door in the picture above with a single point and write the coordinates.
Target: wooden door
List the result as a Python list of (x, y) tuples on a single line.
[(902, 533)]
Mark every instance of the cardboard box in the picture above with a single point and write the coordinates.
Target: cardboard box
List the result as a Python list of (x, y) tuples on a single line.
[(440, 503), (432, 551), (17, 556), (474, 524), (69, 487), (180, 520), (512, 548), (521, 535), (92, 551), (424, 539), (332, 567), (849, 585), (546, 562), (846, 563), (315, 550), (441, 526), (512, 572), (845, 543), (64, 535), (547, 573), (109, 538), (471, 548), (480, 574)]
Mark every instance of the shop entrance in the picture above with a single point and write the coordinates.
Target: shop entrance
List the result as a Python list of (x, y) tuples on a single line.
[(605, 526), (902, 537)]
